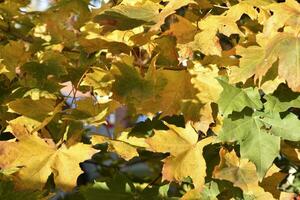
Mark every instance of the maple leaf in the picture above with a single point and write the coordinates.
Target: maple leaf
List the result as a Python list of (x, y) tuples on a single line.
[(43, 108), (236, 99), (209, 191), (205, 81), (291, 151), (182, 29), (255, 141), (271, 80), (284, 14), (186, 157), (271, 181), (251, 58), (258, 60), (288, 128), (252, 133), (207, 41), (200, 114), (274, 105), (169, 9), (29, 124), (241, 173), (169, 57), (37, 159), (99, 79), (286, 48), (123, 145), (123, 149), (157, 90), (245, 7), (125, 17), (13, 55), (281, 100)]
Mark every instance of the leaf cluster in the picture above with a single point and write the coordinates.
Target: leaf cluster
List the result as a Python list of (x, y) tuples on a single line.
[(150, 99)]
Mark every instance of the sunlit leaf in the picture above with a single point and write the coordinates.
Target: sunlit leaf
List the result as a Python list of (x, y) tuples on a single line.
[(38, 159), (255, 141), (236, 99), (186, 159)]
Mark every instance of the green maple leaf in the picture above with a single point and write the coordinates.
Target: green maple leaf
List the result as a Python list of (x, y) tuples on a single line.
[(287, 128), (256, 143), (259, 136), (38, 109), (273, 104), (281, 100), (236, 99)]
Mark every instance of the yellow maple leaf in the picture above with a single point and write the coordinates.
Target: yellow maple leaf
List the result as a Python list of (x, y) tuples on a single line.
[(251, 57), (248, 7), (241, 173), (124, 145), (182, 29), (259, 60), (284, 14), (38, 158), (206, 118), (205, 81), (207, 41), (169, 9), (186, 159)]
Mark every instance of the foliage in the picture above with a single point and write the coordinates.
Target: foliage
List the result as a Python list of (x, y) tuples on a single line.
[(150, 99)]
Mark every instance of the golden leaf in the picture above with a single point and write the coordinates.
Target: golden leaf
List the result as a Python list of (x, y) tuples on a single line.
[(37, 159), (124, 145), (186, 159)]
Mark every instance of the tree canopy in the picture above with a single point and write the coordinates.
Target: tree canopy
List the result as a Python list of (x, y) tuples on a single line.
[(150, 99)]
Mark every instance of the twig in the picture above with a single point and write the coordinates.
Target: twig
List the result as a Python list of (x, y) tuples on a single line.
[(218, 6), (78, 85), (152, 182)]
